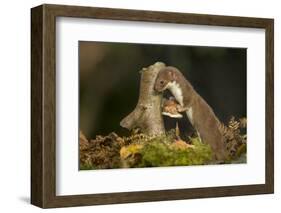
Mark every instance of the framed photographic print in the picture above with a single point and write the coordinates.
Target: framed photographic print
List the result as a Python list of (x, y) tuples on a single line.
[(135, 106)]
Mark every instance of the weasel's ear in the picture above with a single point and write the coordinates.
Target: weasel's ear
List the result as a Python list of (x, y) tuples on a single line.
[(172, 74)]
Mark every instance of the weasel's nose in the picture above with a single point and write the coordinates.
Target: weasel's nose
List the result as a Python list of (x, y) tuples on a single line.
[(155, 88)]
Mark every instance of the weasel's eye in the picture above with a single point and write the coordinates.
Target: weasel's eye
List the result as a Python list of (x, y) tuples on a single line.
[(161, 82)]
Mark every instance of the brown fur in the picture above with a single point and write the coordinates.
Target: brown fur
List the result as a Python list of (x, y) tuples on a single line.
[(204, 119)]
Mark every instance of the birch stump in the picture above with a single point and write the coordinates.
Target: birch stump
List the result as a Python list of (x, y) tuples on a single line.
[(147, 114)]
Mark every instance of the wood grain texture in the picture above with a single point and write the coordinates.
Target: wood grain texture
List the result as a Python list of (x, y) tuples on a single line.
[(269, 118), (36, 106), (43, 105)]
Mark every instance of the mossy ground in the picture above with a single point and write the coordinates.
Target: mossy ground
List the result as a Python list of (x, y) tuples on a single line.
[(164, 151), (139, 150)]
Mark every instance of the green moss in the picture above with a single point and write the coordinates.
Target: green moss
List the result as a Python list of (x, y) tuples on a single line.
[(163, 151), (86, 167)]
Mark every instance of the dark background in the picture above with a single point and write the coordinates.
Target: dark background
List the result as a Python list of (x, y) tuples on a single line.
[(109, 80)]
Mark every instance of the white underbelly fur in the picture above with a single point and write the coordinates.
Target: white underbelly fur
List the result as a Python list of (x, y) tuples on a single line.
[(175, 89), (189, 114)]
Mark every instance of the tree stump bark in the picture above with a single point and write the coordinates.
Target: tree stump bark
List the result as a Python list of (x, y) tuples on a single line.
[(147, 114)]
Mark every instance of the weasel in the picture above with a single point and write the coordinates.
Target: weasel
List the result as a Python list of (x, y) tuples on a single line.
[(199, 113)]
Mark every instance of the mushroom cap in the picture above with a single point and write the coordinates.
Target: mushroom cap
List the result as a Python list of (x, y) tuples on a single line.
[(170, 108), (177, 115)]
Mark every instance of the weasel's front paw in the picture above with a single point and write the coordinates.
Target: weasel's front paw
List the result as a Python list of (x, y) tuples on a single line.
[(181, 109)]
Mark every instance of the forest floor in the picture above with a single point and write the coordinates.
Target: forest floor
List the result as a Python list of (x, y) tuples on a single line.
[(140, 150)]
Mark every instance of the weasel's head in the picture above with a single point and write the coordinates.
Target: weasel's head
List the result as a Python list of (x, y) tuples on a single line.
[(164, 77)]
